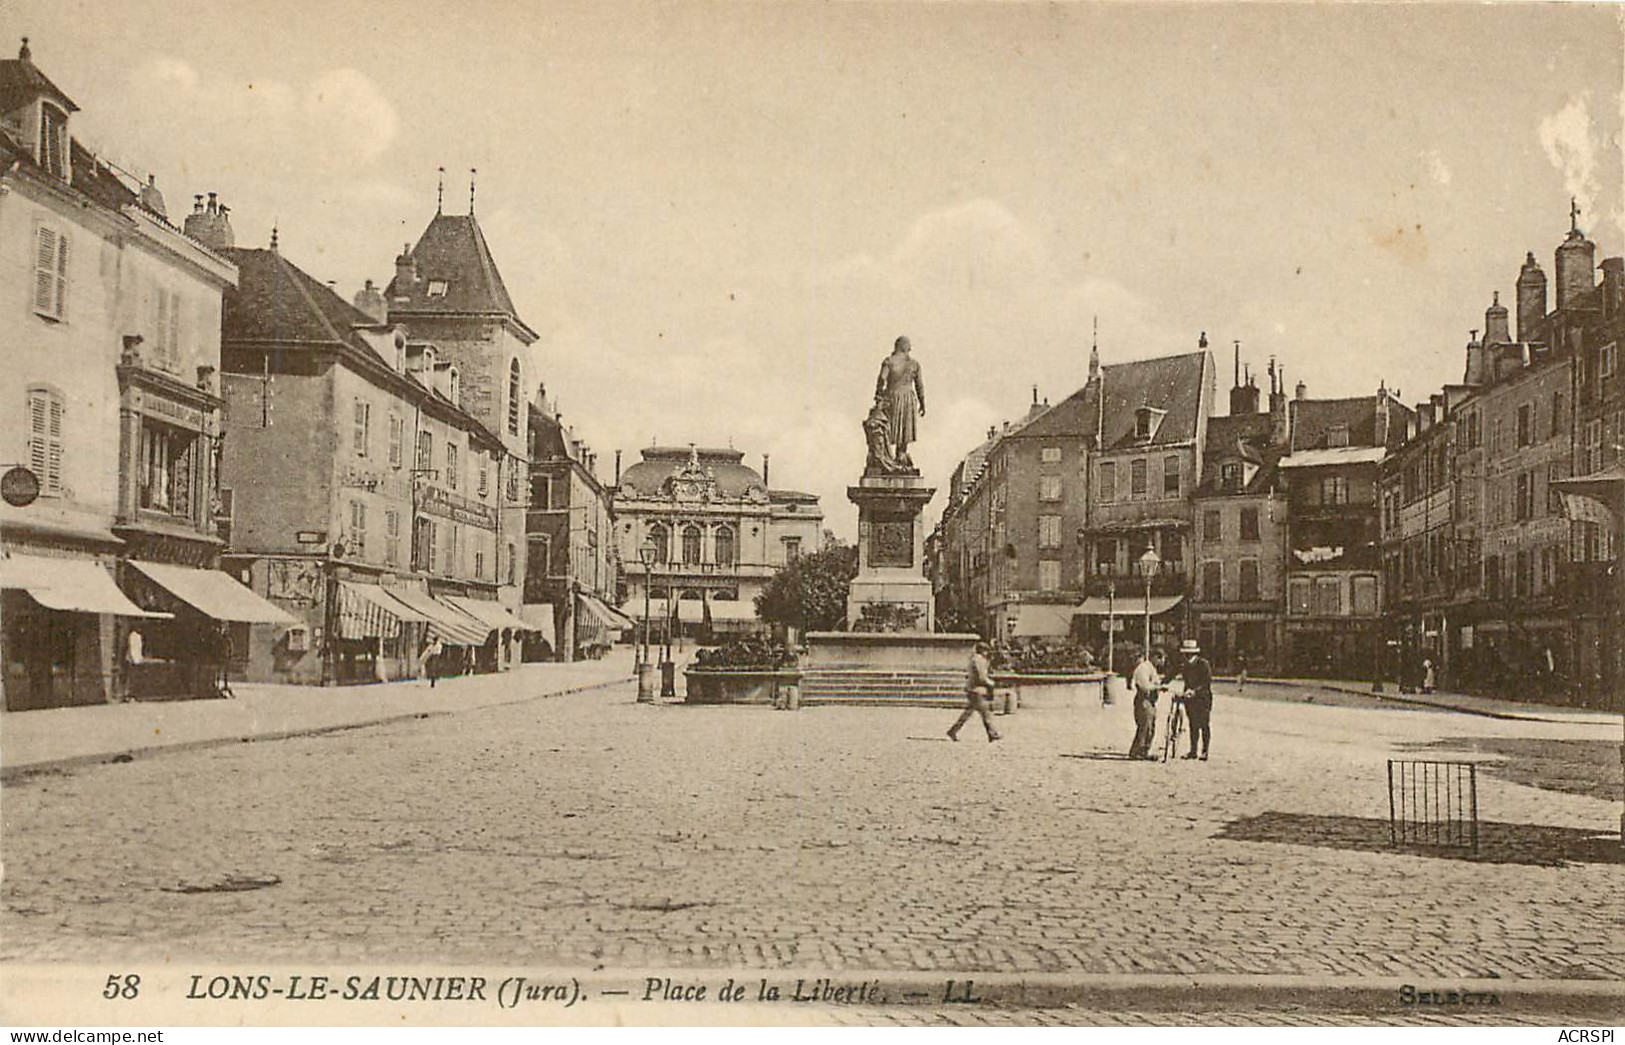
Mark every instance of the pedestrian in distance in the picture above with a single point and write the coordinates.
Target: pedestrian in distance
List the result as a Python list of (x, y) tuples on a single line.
[(1197, 674), (1241, 672), (431, 659), (978, 691), (1147, 682)]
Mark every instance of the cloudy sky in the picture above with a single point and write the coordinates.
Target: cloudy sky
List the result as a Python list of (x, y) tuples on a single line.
[(719, 216)]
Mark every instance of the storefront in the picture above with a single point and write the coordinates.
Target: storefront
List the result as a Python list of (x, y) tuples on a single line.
[(1341, 649), (507, 631), (57, 634), (192, 651), (462, 637)]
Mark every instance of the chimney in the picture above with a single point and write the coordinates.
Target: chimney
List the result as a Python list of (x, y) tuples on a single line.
[(406, 271), (1613, 287), (1474, 373), (1280, 423), (617, 468), (1576, 260), (1243, 394), (1382, 415), (370, 299), (1302, 391), (1531, 297), (151, 199), (764, 469), (210, 224), (1496, 330)]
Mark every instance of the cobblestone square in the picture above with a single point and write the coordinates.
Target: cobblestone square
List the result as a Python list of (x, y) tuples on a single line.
[(588, 831)]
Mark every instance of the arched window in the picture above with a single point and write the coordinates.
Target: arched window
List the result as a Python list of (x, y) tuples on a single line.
[(657, 535), (513, 397), (725, 546), (691, 545)]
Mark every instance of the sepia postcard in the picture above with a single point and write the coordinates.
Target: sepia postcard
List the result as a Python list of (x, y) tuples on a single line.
[(804, 514)]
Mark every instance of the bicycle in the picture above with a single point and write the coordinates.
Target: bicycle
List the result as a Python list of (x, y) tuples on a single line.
[(1175, 730)]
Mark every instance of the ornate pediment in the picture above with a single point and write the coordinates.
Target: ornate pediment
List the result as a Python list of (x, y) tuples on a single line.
[(692, 482)]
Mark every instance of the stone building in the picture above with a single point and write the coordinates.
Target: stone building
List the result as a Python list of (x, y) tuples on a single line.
[(1065, 504), (110, 400), (718, 530), (1333, 558), (571, 568), (448, 292), (366, 502), (1240, 533)]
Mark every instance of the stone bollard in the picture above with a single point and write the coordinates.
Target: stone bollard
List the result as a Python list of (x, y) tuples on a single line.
[(1004, 701), (792, 697), (646, 683)]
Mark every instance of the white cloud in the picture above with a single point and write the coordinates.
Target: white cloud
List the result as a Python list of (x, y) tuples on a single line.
[(344, 105), (1572, 144)]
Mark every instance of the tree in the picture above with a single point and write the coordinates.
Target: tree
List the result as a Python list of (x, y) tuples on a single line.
[(810, 593)]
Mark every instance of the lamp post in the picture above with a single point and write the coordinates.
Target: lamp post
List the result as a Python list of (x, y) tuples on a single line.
[(1148, 566), (1111, 624), (646, 555)]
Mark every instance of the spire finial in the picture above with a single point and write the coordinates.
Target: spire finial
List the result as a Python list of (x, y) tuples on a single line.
[(471, 172), (1495, 298), (23, 53), (1472, 335), (440, 192), (273, 235), (1574, 215)]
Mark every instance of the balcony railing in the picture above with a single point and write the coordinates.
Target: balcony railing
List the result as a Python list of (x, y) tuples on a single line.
[(1166, 581)]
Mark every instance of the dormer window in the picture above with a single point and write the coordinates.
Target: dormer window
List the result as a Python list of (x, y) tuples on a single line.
[(1230, 476), (454, 384), (1147, 419), (437, 288), (1337, 435), (53, 140)]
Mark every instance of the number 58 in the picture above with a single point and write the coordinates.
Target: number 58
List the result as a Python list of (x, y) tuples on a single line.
[(125, 987)]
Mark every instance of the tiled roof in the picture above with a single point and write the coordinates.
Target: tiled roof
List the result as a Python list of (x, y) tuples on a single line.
[(734, 478), (1312, 418), (453, 250), (1171, 383), (1239, 435), (21, 81), (277, 301)]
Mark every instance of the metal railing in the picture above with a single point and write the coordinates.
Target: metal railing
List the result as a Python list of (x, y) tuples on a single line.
[(1433, 803)]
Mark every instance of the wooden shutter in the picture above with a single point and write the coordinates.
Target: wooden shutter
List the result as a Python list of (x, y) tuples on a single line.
[(45, 272)]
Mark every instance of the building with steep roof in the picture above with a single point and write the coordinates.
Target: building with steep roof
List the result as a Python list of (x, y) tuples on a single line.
[(366, 502), (718, 530), (1066, 503), (572, 567), (109, 398), (1240, 512)]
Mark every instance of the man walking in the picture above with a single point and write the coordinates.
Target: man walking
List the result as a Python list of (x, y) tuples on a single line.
[(431, 659), (978, 691), (1147, 681), (1198, 678)]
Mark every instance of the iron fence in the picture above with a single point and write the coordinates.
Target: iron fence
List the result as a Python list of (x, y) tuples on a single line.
[(1433, 803)]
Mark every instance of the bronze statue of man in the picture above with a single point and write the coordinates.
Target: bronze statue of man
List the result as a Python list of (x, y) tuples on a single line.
[(901, 390)]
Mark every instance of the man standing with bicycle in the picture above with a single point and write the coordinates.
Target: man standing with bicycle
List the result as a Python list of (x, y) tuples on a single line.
[(1147, 681), (1197, 675)]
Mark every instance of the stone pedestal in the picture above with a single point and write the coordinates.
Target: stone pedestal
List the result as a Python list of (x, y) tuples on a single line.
[(891, 551)]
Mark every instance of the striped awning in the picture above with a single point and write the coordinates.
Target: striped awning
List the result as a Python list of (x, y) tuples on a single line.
[(488, 612), (366, 611), (447, 623)]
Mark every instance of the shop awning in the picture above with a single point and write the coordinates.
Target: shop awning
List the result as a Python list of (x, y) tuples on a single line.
[(70, 585), (538, 617), (692, 611), (1127, 605), (452, 626), (214, 594), (595, 608), (1042, 620), (367, 612), (488, 612)]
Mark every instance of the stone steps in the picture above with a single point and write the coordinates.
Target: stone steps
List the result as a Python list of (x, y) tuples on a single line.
[(867, 685)]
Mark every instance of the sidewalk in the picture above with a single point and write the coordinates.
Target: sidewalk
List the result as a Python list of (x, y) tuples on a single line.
[(1489, 707), (35, 740)]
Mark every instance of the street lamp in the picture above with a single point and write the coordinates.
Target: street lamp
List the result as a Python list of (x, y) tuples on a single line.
[(1148, 565), (646, 555)]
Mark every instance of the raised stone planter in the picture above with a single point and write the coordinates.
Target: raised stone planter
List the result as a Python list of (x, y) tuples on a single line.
[(737, 687), (1043, 692)]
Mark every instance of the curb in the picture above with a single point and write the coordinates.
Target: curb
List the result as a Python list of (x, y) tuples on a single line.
[(15, 773), (1577, 716)]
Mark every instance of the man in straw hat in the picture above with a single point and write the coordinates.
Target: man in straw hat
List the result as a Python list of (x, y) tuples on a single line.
[(978, 691), (1197, 675)]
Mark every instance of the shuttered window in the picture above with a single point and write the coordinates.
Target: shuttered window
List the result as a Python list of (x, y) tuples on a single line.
[(45, 438), (51, 274)]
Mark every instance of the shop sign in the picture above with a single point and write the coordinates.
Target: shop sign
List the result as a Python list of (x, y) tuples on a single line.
[(436, 501), (19, 487), (179, 413)]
